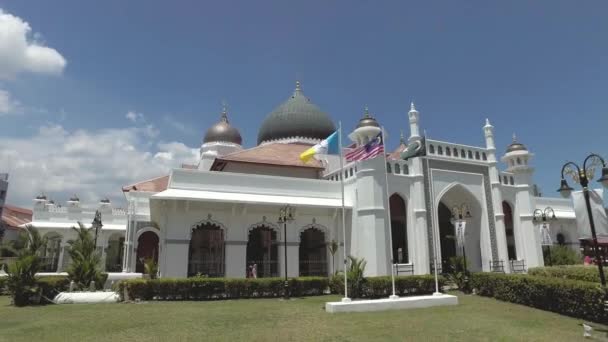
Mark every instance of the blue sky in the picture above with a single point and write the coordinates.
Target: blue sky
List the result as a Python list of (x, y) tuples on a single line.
[(537, 69)]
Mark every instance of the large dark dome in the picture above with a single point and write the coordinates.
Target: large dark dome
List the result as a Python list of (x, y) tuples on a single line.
[(223, 131), (296, 117)]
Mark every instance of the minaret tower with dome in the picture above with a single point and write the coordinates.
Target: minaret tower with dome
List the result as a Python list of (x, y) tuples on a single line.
[(517, 158), (220, 139)]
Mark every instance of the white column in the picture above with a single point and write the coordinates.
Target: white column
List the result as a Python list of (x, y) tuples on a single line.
[(417, 232)]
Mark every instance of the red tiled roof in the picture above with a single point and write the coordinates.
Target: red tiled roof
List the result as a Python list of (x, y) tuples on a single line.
[(396, 154), (13, 217), (270, 154), (151, 185)]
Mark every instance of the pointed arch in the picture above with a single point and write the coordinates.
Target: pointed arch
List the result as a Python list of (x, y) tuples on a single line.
[(507, 210), (398, 209)]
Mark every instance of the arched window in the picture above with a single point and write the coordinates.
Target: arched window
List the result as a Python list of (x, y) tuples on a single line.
[(262, 252), (511, 180), (147, 248), (518, 161), (483, 156), (313, 253), (505, 179), (351, 172), (397, 169), (439, 150), (448, 152), (345, 174), (463, 154), (512, 162), (114, 252), (388, 168), (477, 155), (406, 169), (399, 228), (510, 232), (206, 251), (470, 154), (50, 254), (561, 239), (431, 149)]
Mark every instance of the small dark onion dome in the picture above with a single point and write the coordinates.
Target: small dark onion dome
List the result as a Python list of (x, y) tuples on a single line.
[(223, 131), (105, 200), (74, 199), (41, 197), (296, 117), (516, 146), (367, 120)]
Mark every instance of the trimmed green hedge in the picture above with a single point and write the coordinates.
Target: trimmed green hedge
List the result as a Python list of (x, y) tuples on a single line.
[(199, 288), (583, 273), (567, 297), (3, 286), (377, 287)]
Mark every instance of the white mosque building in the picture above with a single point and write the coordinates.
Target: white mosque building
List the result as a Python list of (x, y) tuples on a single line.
[(219, 217)]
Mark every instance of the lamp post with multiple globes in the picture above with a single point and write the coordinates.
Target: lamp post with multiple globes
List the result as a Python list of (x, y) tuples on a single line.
[(541, 217), (582, 177), (285, 216)]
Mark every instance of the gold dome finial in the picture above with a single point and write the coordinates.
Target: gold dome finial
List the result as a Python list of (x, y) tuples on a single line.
[(366, 111), (224, 116)]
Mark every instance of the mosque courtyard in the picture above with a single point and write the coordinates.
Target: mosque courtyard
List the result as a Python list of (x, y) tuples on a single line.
[(302, 319)]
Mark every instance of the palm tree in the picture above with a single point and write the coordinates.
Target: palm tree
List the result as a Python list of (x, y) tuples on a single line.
[(86, 260), (333, 249), (21, 279)]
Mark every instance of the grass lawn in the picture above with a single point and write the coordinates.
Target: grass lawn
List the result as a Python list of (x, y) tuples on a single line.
[(303, 319)]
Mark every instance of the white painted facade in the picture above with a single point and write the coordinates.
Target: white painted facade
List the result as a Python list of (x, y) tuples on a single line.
[(240, 199)]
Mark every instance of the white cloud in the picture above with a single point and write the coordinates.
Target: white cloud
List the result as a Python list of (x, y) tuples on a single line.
[(20, 52), (177, 125), (91, 164), (7, 104), (135, 116)]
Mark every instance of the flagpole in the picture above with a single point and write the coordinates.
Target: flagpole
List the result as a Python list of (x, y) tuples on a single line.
[(431, 193), (341, 176), (388, 211)]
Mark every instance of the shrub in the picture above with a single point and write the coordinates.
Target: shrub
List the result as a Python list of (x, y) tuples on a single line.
[(3, 286), (582, 273), (568, 297), (50, 286), (458, 274), (561, 255), (202, 288), (377, 287)]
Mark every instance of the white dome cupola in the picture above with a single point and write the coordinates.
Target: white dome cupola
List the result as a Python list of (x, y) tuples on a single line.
[(366, 129)]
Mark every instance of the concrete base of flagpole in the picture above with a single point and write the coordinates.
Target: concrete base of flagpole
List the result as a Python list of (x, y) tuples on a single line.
[(437, 294), (414, 302), (393, 297), (346, 300)]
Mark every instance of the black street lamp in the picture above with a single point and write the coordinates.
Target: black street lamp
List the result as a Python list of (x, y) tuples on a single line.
[(96, 224), (583, 176), (285, 216), (459, 215), (541, 217)]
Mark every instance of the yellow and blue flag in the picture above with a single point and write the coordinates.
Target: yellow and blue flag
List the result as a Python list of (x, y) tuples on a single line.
[(327, 146)]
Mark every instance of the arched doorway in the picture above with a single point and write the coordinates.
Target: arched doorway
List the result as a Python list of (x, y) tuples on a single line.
[(262, 251), (147, 248), (206, 254), (399, 229), (114, 252), (509, 231), (50, 257), (458, 196), (313, 253), (446, 236)]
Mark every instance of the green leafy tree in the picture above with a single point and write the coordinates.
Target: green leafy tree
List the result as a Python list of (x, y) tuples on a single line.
[(333, 249), (21, 275), (561, 255), (86, 260)]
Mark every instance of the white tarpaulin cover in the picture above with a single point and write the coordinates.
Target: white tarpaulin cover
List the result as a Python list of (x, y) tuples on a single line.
[(582, 217)]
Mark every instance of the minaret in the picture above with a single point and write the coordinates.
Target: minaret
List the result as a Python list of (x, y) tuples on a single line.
[(220, 139), (414, 127), (367, 129), (420, 256), (527, 237), (499, 217)]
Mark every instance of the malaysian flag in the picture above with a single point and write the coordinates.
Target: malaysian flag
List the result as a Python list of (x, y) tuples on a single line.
[(370, 150)]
